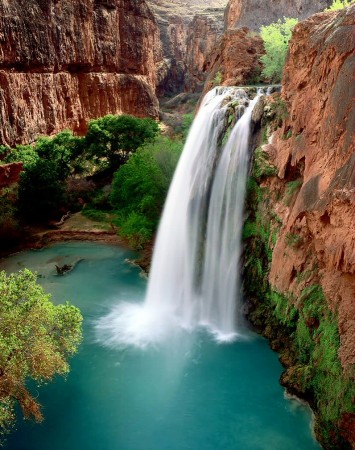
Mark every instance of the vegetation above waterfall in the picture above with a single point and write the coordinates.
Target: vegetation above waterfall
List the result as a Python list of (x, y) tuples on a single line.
[(276, 37), (36, 339), (339, 4)]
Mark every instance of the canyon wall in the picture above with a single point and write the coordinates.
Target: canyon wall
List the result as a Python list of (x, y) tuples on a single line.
[(300, 233), (236, 55), (316, 147), (63, 63), (254, 13), (188, 32), (234, 60), (202, 36)]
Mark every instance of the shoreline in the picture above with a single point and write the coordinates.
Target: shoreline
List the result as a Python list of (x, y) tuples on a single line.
[(86, 230)]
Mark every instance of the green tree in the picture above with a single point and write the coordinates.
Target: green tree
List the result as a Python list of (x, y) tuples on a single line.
[(36, 339), (140, 186), (340, 4), (22, 153), (63, 149), (41, 191), (276, 37), (111, 139), (47, 165), (9, 226)]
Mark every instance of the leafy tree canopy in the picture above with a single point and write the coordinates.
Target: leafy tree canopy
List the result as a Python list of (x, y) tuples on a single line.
[(115, 137), (36, 339), (276, 37), (140, 186), (340, 4)]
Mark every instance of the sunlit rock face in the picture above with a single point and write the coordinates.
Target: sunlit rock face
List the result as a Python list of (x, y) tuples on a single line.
[(188, 31), (63, 63), (254, 13), (316, 146)]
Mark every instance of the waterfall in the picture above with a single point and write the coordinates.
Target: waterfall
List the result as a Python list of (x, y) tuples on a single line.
[(195, 275)]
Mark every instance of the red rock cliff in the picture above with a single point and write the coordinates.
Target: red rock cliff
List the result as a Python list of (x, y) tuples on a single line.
[(182, 26), (203, 33), (316, 148), (254, 13), (63, 62)]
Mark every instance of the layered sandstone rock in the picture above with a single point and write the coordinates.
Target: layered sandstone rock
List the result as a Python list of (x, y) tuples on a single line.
[(316, 149), (203, 33), (63, 63), (235, 58), (254, 13), (182, 26)]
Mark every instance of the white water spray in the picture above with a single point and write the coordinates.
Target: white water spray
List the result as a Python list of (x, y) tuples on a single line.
[(195, 275)]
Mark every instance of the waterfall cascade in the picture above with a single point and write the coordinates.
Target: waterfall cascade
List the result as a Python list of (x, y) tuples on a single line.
[(195, 276)]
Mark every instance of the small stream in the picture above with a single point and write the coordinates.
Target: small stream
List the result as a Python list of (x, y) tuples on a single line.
[(188, 393)]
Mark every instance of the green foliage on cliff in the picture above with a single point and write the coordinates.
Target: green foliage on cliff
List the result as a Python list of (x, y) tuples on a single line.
[(303, 328), (317, 339), (262, 167), (340, 4), (284, 311), (276, 37), (292, 188), (260, 229), (140, 186), (217, 80), (36, 339)]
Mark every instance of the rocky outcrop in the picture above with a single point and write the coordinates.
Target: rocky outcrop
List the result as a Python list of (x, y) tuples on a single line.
[(202, 36), (300, 261), (236, 55), (63, 63), (234, 59), (181, 40), (253, 13), (316, 148), (9, 174)]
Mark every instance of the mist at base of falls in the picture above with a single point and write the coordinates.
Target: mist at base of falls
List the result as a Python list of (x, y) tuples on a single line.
[(195, 276)]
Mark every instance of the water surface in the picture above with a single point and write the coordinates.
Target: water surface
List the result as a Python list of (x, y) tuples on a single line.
[(190, 393)]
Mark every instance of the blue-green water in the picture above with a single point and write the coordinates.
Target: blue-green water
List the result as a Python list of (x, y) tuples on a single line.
[(189, 394)]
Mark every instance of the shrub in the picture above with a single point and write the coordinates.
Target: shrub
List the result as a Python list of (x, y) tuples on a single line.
[(339, 4), (293, 240), (217, 80), (292, 187), (261, 166), (276, 37)]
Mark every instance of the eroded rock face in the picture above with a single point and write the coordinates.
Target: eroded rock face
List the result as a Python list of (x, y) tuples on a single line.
[(316, 148), (203, 33), (182, 26), (254, 13), (9, 174), (63, 63), (235, 57)]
